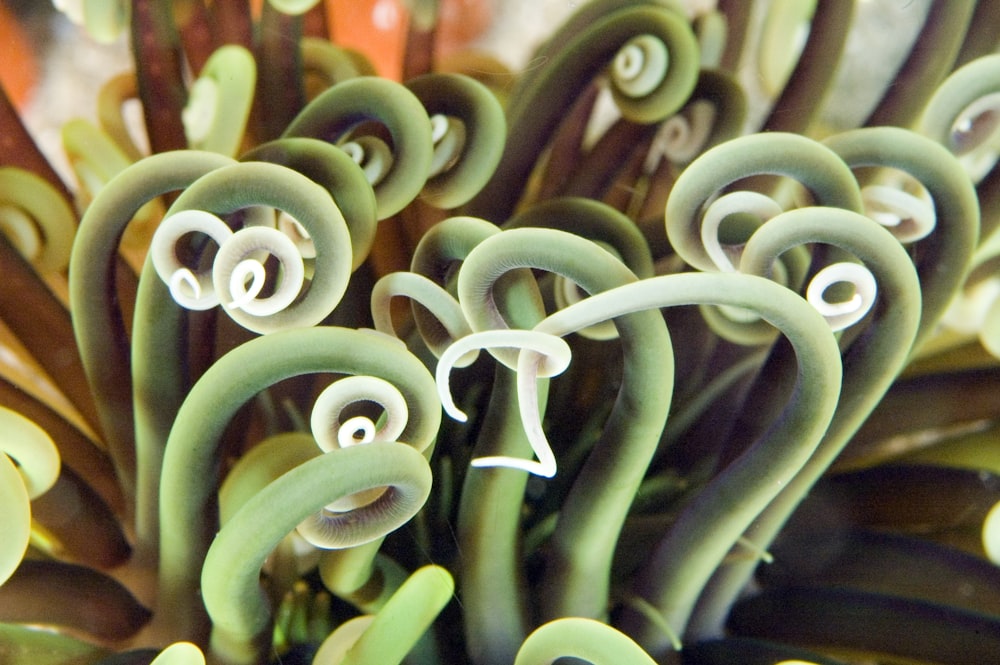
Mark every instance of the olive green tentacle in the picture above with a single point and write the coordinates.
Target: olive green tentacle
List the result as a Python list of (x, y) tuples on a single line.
[(938, 45), (595, 221), (458, 172), (336, 111), (219, 100), (494, 589), (158, 373), (51, 222), (252, 472), (110, 102), (444, 245), (29, 466), (190, 458), (577, 575), (248, 184), (981, 38), (872, 362), (230, 578), (813, 166), (959, 117), (361, 575), (571, 28), (324, 65), (943, 258), (816, 167), (492, 580), (336, 171), (398, 625), (591, 640), (719, 515), (592, 220), (100, 332), (552, 90)]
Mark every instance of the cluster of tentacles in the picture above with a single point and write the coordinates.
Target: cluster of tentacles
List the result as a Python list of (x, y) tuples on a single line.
[(492, 367)]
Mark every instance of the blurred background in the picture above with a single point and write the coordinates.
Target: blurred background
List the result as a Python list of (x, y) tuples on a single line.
[(53, 70)]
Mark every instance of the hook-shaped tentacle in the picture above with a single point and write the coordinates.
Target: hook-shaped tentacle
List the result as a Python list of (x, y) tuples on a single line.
[(468, 131), (594, 511), (190, 457), (333, 114)]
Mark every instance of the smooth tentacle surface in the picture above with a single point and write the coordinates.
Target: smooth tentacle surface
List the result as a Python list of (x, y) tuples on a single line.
[(658, 30), (596, 506), (341, 108), (97, 322), (694, 546), (189, 459), (30, 466), (871, 362)]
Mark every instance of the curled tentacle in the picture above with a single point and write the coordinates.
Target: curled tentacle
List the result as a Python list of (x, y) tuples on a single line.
[(594, 221), (695, 545), (262, 184), (324, 64), (549, 356), (962, 116), (389, 635), (97, 320), (816, 167), (468, 130), (190, 454), (441, 305), (591, 640), (219, 100), (230, 581), (715, 113), (594, 511), (332, 168), (444, 246), (94, 157), (338, 110), (36, 219), (544, 98), (333, 431), (111, 101), (945, 255), (962, 113), (29, 465), (872, 361), (698, 218), (188, 289)]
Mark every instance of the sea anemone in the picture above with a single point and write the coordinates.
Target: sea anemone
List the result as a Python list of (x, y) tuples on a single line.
[(633, 354)]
